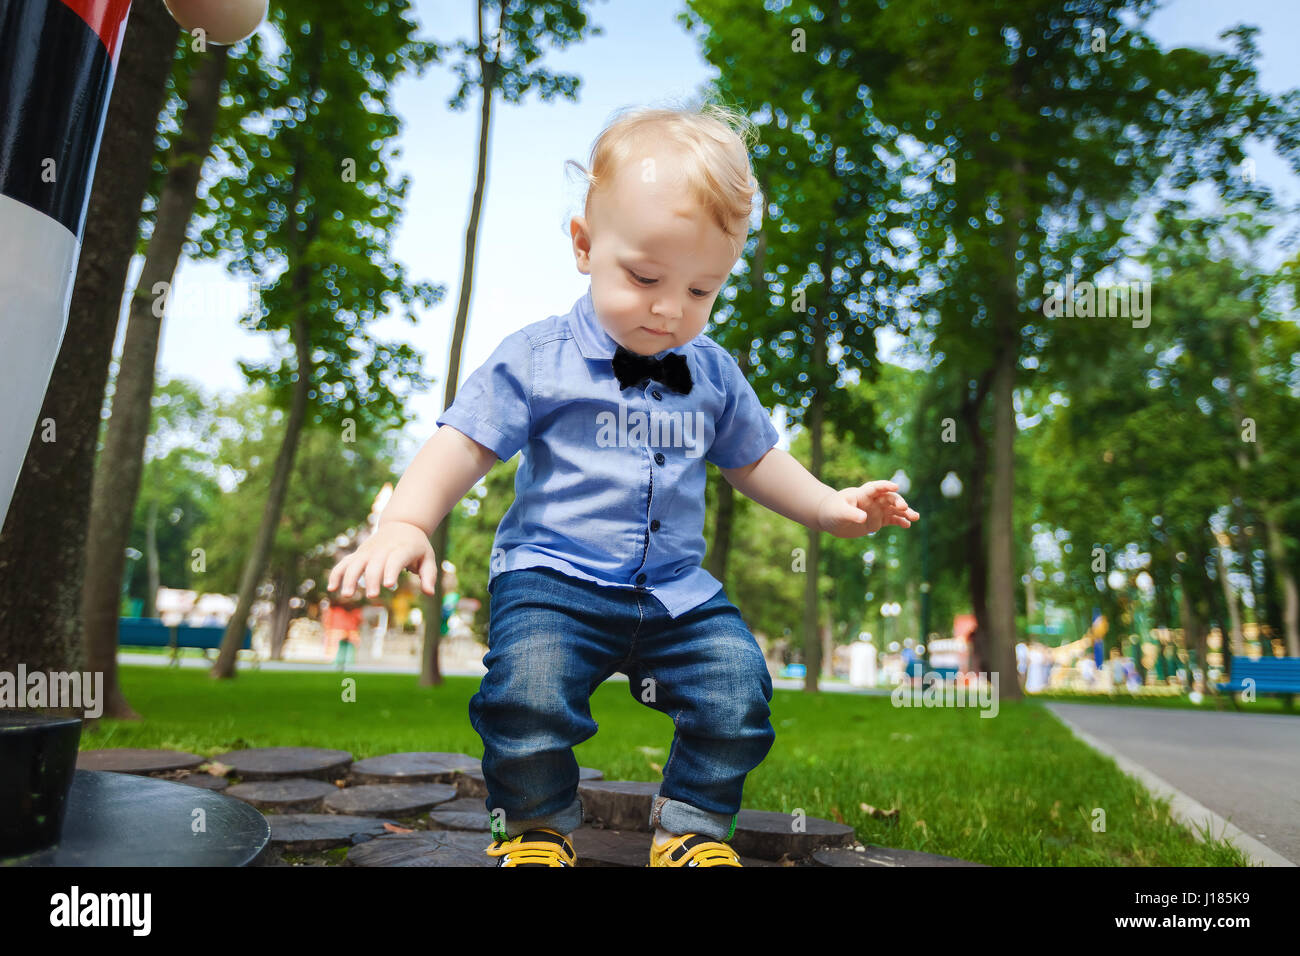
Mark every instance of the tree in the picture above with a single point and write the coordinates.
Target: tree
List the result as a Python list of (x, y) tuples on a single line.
[(1056, 125), (327, 226), (42, 547), (802, 318), (117, 475), (521, 29), (329, 483)]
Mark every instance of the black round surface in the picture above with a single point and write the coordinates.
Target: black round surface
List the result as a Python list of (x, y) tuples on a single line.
[(123, 819)]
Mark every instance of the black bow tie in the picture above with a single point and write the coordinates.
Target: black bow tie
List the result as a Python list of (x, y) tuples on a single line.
[(632, 368)]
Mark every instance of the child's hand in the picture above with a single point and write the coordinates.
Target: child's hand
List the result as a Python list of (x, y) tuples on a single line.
[(393, 547), (863, 510)]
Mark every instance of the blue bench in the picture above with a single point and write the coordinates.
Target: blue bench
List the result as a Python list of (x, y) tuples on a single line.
[(916, 670), (1270, 675), (151, 632)]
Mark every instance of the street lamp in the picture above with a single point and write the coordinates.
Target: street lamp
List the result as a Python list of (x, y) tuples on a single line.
[(950, 488), (133, 556), (890, 609)]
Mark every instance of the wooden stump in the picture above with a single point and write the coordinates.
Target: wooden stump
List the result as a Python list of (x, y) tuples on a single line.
[(884, 856), (618, 804), (470, 783), (295, 793), (133, 760), (307, 832), (204, 781), (465, 813), (596, 847), (771, 836), (273, 763), (389, 799), (423, 848), (411, 767)]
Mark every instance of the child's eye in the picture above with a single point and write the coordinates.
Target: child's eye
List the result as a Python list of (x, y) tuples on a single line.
[(642, 280)]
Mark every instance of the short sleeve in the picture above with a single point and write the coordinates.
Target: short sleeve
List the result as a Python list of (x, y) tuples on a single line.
[(744, 432), (494, 404)]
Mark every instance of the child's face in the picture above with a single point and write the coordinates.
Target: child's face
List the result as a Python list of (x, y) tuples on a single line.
[(649, 252)]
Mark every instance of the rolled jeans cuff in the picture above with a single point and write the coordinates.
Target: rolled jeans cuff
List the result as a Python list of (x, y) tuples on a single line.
[(565, 821), (677, 817)]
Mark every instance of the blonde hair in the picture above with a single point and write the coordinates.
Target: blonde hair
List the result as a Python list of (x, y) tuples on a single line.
[(713, 142)]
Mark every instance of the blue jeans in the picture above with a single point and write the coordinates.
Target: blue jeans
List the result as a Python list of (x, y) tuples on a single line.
[(554, 638)]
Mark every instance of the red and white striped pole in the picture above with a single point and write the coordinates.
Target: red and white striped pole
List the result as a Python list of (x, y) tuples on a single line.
[(57, 62), (58, 59)]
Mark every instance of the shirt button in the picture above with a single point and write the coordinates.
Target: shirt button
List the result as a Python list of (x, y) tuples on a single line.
[(657, 395), (640, 579), (654, 525), (659, 458)]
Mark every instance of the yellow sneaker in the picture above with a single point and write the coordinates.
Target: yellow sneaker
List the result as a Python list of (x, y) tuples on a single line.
[(692, 849), (542, 847)]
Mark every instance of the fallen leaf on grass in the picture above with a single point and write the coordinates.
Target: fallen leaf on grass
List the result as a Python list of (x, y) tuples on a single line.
[(216, 768), (394, 828), (878, 813), (835, 812), (655, 767)]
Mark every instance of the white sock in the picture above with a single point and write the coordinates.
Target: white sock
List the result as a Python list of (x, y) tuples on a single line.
[(662, 836)]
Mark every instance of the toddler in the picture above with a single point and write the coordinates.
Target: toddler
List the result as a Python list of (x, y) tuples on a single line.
[(616, 405)]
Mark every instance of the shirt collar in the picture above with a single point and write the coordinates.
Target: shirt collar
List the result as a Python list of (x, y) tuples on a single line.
[(593, 341)]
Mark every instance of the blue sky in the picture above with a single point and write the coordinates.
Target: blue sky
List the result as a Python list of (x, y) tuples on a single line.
[(525, 269)]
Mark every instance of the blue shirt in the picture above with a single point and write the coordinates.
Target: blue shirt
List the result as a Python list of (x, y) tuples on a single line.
[(611, 485)]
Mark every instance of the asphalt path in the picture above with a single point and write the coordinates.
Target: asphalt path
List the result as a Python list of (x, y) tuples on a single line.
[(1244, 767)]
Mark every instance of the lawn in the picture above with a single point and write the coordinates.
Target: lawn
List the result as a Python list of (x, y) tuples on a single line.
[(1263, 704), (1014, 790)]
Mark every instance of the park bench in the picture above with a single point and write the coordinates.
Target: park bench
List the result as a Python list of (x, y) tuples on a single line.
[(1270, 675), (151, 632)]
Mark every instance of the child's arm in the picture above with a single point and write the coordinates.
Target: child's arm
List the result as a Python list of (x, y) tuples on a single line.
[(446, 468), (778, 482)]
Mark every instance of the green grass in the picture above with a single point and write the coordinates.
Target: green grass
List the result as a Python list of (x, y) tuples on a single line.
[(1014, 790), (1263, 704)]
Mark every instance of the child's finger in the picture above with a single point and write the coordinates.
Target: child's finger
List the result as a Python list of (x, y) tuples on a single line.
[(392, 568), (427, 567)]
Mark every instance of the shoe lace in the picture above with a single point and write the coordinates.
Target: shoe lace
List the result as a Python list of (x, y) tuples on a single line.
[(704, 854), (518, 851)]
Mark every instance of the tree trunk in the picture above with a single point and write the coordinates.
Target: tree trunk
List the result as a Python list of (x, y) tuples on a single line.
[(279, 622), (42, 547), (151, 561), (812, 601), (723, 521), (1001, 544), (116, 483), (976, 553), (1271, 617), (1237, 645), (430, 673), (1286, 579), (1191, 628), (1030, 604), (431, 667), (726, 496), (256, 563)]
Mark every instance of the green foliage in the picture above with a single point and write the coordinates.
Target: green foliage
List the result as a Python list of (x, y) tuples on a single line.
[(305, 206)]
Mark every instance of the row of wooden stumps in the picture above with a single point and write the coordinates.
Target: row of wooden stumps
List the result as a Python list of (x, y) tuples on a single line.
[(429, 809)]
